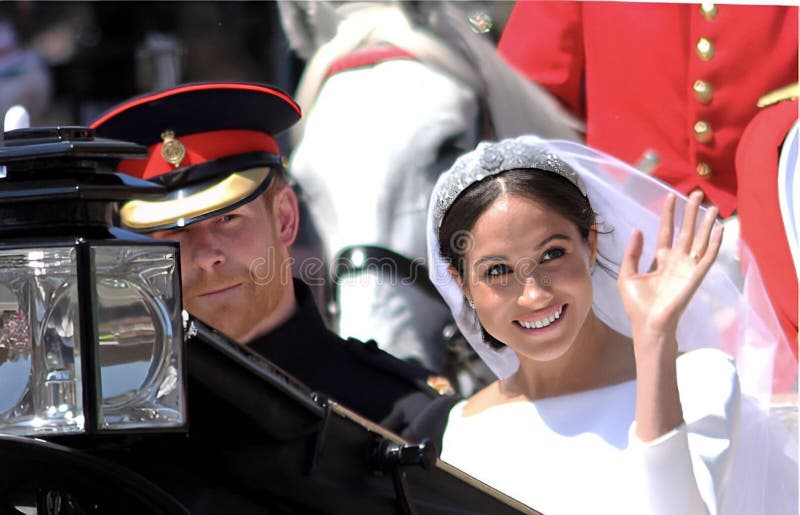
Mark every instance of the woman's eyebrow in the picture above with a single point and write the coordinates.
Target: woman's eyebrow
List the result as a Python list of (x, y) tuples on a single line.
[(500, 257), (552, 237), (490, 258)]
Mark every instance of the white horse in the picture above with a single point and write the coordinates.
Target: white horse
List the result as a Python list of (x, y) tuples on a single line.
[(389, 104)]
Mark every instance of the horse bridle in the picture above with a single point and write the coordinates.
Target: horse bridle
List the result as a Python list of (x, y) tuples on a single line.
[(358, 258)]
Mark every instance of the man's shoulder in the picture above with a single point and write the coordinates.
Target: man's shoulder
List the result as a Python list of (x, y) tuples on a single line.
[(370, 353)]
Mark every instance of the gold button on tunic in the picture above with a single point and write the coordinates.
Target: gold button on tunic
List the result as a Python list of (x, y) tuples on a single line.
[(708, 10), (705, 49), (703, 91), (702, 131), (703, 170)]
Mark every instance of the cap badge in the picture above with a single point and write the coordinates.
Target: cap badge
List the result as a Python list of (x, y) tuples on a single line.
[(172, 150)]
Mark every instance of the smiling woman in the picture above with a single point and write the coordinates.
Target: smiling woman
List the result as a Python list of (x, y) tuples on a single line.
[(528, 276), (563, 229), (527, 240)]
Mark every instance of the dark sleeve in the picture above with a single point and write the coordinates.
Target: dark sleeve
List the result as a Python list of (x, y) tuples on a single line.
[(368, 352), (429, 420)]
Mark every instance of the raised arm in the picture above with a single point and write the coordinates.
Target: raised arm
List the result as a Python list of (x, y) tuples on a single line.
[(655, 301)]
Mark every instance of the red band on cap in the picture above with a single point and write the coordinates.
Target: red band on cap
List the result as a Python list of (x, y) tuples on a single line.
[(200, 148)]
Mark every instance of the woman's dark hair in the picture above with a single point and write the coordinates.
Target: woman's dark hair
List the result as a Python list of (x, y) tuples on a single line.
[(552, 190)]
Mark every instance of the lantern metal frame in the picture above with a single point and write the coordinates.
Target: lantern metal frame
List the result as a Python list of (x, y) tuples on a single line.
[(59, 184)]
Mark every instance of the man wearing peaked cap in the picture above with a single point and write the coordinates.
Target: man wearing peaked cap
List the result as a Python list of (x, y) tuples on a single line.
[(229, 205)]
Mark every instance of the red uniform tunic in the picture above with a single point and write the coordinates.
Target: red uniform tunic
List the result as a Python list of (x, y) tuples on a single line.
[(678, 79), (759, 209)]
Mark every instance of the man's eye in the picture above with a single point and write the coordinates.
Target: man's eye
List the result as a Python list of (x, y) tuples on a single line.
[(553, 253), (171, 233), (226, 218), (497, 270)]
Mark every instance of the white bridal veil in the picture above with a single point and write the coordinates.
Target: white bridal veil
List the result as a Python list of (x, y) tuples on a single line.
[(719, 315)]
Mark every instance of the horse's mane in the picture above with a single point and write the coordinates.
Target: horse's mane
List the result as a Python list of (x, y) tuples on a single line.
[(446, 42)]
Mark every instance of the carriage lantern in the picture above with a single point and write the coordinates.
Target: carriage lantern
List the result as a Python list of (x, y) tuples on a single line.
[(90, 326)]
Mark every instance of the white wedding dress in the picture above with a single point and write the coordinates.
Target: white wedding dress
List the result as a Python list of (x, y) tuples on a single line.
[(578, 454)]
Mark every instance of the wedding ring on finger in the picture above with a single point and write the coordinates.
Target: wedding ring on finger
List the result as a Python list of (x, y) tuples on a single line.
[(693, 256)]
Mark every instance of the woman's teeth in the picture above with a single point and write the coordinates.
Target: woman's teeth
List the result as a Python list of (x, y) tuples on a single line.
[(538, 324)]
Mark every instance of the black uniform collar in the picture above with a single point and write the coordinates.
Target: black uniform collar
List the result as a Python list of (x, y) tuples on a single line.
[(303, 329)]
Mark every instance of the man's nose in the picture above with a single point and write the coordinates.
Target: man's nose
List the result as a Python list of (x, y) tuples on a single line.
[(205, 251)]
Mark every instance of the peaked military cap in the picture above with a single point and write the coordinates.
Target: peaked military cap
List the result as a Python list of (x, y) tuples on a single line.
[(211, 144)]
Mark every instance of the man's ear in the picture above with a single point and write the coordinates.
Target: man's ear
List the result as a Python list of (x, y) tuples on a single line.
[(286, 213)]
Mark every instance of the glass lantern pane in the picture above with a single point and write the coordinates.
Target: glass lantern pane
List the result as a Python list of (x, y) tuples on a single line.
[(40, 362), (137, 314)]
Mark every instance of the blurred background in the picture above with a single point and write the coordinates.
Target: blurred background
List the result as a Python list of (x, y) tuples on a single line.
[(70, 61)]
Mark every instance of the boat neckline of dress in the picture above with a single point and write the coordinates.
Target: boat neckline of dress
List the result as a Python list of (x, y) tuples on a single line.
[(459, 407)]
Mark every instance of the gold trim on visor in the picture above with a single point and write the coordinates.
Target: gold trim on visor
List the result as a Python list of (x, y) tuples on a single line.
[(147, 214)]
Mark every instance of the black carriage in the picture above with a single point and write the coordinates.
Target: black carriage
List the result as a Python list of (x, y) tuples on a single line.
[(136, 409)]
